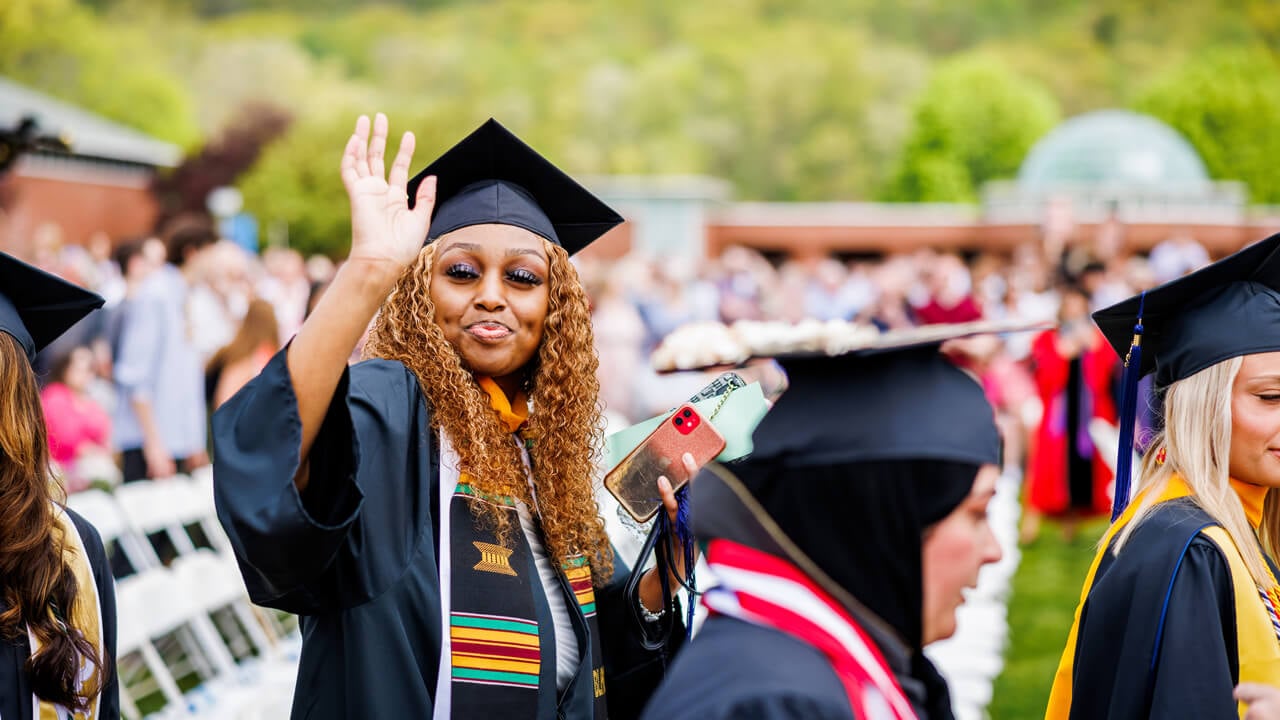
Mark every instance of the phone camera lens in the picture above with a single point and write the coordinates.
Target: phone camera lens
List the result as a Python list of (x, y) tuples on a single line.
[(679, 422), (688, 413)]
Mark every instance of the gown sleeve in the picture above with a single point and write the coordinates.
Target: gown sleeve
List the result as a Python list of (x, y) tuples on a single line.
[(1141, 657), (351, 533), (633, 670)]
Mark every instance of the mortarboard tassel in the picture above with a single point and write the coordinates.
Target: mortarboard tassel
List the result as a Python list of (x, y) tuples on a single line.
[(683, 530), (1128, 415)]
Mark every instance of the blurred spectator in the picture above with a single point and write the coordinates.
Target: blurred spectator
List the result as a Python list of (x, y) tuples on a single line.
[(828, 296), (73, 264), (243, 358), (1105, 283), (896, 281), (287, 287), (619, 334), (1176, 257), (1075, 370), (46, 247), (743, 280), (109, 281), (160, 418), (950, 298), (135, 266), (79, 429), (672, 300), (320, 269), (792, 292), (221, 286)]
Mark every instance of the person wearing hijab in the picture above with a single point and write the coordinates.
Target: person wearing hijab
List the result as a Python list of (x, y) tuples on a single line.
[(1179, 609), (841, 545), (57, 601), (429, 512)]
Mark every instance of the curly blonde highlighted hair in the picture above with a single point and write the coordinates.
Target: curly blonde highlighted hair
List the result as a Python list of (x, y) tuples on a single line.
[(564, 427)]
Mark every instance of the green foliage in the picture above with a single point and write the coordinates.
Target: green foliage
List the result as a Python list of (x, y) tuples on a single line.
[(975, 122), (1227, 104), (787, 99), (295, 187), (68, 51)]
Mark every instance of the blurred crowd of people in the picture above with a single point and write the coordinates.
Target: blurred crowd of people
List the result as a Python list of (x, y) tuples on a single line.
[(191, 317)]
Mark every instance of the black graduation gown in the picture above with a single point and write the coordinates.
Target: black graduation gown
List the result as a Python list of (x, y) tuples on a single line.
[(15, 690), (356, 557), (1153, 589)]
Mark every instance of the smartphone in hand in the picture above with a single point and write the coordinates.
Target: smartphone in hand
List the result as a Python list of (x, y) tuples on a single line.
[(634, 482)]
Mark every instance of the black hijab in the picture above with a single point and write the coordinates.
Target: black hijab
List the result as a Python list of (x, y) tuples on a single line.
[(868, 534)]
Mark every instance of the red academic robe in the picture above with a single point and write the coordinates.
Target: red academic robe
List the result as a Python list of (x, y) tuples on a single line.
[(1047, 488)]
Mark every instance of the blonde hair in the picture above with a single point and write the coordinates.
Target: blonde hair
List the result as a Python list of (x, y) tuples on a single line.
[(1197, 443)]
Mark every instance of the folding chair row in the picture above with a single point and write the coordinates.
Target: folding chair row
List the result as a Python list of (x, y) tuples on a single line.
[(168, 620)]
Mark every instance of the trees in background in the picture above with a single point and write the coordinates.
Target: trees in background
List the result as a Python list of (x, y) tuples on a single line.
[(1227, 104), (975, 121), (221, 161), (787, 99)]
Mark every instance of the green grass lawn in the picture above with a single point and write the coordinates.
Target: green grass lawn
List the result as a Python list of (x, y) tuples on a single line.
[(1046, 589)]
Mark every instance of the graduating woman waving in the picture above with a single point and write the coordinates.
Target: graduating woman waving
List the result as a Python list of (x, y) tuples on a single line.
[(429, 512)]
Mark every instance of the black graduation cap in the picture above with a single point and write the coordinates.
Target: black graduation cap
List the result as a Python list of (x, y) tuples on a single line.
[(491, 176), (36, 307), (902, 400), (1224, 310)]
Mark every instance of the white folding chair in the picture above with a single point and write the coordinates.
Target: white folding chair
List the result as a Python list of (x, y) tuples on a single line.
[(104, 513), (159, 506), (143, 613), (213, 583)]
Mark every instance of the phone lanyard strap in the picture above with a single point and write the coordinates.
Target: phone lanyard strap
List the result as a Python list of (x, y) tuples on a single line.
[(723, 399)]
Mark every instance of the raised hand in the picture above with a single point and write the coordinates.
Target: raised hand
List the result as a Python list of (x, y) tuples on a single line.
[(383, 228)]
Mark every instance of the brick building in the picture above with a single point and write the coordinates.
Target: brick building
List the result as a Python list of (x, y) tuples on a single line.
[(103, 184)]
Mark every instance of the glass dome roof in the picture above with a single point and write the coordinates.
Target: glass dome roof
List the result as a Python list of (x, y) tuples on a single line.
[(1112, 147)]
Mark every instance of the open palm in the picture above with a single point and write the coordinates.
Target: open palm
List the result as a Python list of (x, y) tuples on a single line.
[(383, 228)]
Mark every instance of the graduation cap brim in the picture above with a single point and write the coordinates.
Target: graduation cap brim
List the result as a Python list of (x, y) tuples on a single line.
[(927, 336), (1187, 324), (36, 307), (872, 342), (897, 399), (492, 153)]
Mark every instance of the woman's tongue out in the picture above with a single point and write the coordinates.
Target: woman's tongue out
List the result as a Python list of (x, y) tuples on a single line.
[(489, 331)]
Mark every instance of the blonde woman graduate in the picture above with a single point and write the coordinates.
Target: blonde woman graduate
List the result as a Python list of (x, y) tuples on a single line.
[(1180, 604), (429, 512)]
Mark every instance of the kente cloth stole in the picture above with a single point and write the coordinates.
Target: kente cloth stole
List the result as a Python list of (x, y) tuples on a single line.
[(766, 590), (85, 618), (495, 655)]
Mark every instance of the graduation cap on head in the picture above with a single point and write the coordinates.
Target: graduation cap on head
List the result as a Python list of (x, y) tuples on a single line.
[(36, 307), (1224, 310), (902, 399), (491, 176)]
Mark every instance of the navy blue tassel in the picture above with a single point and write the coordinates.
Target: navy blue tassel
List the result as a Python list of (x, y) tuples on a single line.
[(1128, 416), (684, 531), (666, 553)]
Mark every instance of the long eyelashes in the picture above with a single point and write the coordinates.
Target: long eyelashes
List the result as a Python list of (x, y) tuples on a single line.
[(463, 271), (523, 276)]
